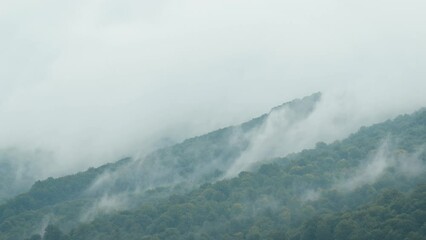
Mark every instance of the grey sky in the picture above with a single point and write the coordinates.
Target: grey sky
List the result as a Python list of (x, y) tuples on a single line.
[(95, 80)]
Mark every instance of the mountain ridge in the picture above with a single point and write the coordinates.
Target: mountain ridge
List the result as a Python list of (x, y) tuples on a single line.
[(286, 180), (280, 199), (175, 164)]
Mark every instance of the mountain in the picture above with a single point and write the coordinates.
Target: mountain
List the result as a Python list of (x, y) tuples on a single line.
[(372, 177), (280, 198), (205, 158), (175, 169)]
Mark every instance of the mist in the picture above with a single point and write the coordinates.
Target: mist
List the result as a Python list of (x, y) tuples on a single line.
[(389, 159), (90, 82), (387, 156)]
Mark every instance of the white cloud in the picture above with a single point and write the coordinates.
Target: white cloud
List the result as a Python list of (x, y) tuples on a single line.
[(95, 80)]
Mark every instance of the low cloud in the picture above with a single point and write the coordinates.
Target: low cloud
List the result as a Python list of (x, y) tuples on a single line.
[(386, 157), (369, 172), (105, 205), (93, 81)]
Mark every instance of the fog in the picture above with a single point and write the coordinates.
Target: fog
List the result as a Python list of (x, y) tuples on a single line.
[(92, 81), (386, 157), (104, 205)]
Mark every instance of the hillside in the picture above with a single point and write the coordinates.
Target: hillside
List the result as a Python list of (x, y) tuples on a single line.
[(123, 185), (273, 202), (276, 201), (392, 215)]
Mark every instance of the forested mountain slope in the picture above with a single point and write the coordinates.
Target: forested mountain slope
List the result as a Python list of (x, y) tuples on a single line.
[(370, 167), (279, 200), (176, 169), (392, 216)]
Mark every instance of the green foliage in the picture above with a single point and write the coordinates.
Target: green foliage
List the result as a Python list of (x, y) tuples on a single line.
[(391, 216)]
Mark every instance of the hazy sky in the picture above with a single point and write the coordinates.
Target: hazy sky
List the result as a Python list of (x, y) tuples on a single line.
[(95, 80)]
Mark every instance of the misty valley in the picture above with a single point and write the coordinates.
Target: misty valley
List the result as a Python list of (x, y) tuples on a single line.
[(263, 179)]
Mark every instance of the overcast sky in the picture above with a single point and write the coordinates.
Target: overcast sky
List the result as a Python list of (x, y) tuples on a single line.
[(95, 80)]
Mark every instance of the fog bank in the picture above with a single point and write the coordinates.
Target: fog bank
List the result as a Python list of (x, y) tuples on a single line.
[(89, 82)]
